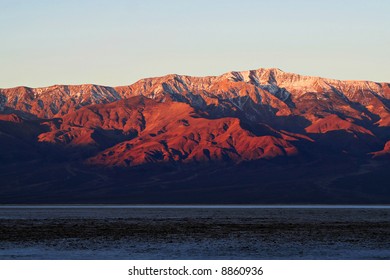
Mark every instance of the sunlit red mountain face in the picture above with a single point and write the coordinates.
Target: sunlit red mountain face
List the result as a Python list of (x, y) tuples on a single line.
[(260, 136)]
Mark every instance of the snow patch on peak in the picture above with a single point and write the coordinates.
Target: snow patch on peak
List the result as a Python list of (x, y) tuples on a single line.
[(233, 76), (252, 76)]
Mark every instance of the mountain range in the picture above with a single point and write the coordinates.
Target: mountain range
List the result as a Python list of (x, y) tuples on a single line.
[(259, 136)]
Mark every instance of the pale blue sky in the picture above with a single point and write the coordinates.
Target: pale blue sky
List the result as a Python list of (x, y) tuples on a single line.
[(117, 42)]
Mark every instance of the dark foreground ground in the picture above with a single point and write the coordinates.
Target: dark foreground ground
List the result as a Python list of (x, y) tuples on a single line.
[(200, 233), (329, 180)]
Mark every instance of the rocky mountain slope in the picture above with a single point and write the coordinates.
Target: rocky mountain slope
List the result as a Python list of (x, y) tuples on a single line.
[(239, 117)]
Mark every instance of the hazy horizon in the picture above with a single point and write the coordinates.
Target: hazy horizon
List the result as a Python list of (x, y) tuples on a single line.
[(116, 43)]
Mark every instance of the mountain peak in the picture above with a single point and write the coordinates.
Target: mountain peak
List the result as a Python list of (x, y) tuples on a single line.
[(263, 86)]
